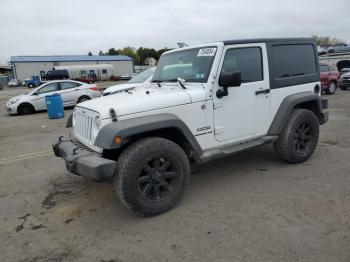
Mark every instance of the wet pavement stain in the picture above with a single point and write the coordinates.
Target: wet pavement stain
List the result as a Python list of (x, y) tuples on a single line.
[(36, 227), (21, 226), (69, 220), (49, 202)]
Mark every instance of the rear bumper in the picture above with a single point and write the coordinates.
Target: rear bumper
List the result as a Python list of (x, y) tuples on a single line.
[(324, 112), (83, 162)]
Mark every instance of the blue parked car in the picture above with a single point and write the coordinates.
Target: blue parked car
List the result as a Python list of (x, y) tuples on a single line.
[(34, 82)]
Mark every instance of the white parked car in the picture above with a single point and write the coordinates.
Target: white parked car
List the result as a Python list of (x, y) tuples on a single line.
[(72, 92), (14, 83), (140, 80)]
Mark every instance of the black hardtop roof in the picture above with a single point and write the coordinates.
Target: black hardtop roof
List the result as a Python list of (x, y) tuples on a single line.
[(291, 40)]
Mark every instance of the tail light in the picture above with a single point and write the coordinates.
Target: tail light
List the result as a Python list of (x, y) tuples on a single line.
[(94, 88)]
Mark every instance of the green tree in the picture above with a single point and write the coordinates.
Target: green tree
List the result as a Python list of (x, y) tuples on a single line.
[(131, 52), (89, 54), (144, 53), (326, 41), (100, 53), (112, 51)]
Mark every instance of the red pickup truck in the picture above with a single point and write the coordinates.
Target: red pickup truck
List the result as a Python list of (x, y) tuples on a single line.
[(329, 78)]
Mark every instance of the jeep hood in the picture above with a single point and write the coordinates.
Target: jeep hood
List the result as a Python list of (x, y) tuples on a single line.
[(138, 100)]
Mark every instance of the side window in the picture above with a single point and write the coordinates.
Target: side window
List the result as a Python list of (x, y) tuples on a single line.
[(68, 85), (332, 68), (324, 68), (247, 60), (82, 73), (48, 88), (293, 60)]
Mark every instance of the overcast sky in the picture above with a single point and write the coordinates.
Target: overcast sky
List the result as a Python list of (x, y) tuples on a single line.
[(45, 27)]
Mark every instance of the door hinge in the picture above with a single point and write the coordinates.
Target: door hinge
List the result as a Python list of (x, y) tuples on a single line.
[(218, 130), (217, 105)]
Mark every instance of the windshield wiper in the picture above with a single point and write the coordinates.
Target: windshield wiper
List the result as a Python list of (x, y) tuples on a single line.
[(179, 80), (157, 81)]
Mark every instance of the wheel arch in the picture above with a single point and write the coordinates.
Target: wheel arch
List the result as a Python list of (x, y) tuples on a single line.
[(305, 100), (167, 126), (26, 103), (83, 96)]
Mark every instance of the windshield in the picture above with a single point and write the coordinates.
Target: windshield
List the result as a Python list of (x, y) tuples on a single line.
[(142, 77), (192, 65)]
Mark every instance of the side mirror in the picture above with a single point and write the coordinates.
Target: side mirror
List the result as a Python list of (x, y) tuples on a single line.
[(228, 79)]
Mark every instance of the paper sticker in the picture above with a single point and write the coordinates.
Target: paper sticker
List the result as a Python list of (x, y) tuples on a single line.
[(208, 51)]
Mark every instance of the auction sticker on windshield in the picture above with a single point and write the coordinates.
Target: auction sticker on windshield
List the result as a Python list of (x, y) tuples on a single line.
[(209, 51)]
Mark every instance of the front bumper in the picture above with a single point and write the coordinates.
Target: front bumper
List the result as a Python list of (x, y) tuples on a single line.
[(83, 162), (344, 83), (11, 108)]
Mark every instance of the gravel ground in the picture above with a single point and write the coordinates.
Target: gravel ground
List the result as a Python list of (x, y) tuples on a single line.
[(245, 207)]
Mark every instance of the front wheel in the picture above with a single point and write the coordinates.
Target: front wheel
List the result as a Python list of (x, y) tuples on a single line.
[(299, 138), (330, 90), (153, 175)]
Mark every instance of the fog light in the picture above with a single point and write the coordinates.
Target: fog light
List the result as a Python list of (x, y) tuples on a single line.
[(118, 140)]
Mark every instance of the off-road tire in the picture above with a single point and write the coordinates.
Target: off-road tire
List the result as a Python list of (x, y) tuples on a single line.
[(131, 168), (288, 146), (25, 109), (330, 90)]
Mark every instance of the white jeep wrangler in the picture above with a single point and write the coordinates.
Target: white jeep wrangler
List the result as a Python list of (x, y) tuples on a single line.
[(204, 102)]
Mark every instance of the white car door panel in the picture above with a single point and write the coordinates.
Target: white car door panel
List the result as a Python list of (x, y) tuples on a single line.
[(39, 96), (249, 102), (69, 92)]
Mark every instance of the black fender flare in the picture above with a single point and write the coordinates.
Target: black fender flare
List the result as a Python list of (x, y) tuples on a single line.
[(287, 106), (129, 127)]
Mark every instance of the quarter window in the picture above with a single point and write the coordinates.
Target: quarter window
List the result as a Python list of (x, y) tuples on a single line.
[(294, 60), (324, 68), (68, 85), (247, 60)]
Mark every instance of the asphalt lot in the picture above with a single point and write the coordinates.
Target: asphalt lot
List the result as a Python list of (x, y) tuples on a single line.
[(246, 207)]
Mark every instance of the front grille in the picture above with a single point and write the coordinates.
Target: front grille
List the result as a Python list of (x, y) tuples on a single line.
[(83, 121), (83, 125)]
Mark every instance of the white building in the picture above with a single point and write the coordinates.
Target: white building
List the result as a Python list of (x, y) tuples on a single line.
[(26, 66)]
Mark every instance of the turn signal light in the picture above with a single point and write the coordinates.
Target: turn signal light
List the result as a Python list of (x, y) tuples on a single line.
[(118, 140)]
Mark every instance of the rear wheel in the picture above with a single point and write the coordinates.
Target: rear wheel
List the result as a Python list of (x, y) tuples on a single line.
[(30, 85), (299, 138), (25, 109), (153, 175), (330, 90), (83, 99)]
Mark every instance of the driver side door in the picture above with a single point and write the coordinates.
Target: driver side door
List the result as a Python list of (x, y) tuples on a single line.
[(39, 95), (242, 114)]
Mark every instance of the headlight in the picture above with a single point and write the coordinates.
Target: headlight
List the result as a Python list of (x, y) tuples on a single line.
[(14, 101), (96, 125), (98, 122)]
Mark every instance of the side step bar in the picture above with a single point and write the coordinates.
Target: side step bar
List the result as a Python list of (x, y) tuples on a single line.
[(235, 147)]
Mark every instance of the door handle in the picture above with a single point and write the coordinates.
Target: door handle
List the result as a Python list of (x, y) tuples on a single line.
[(262, 91)]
